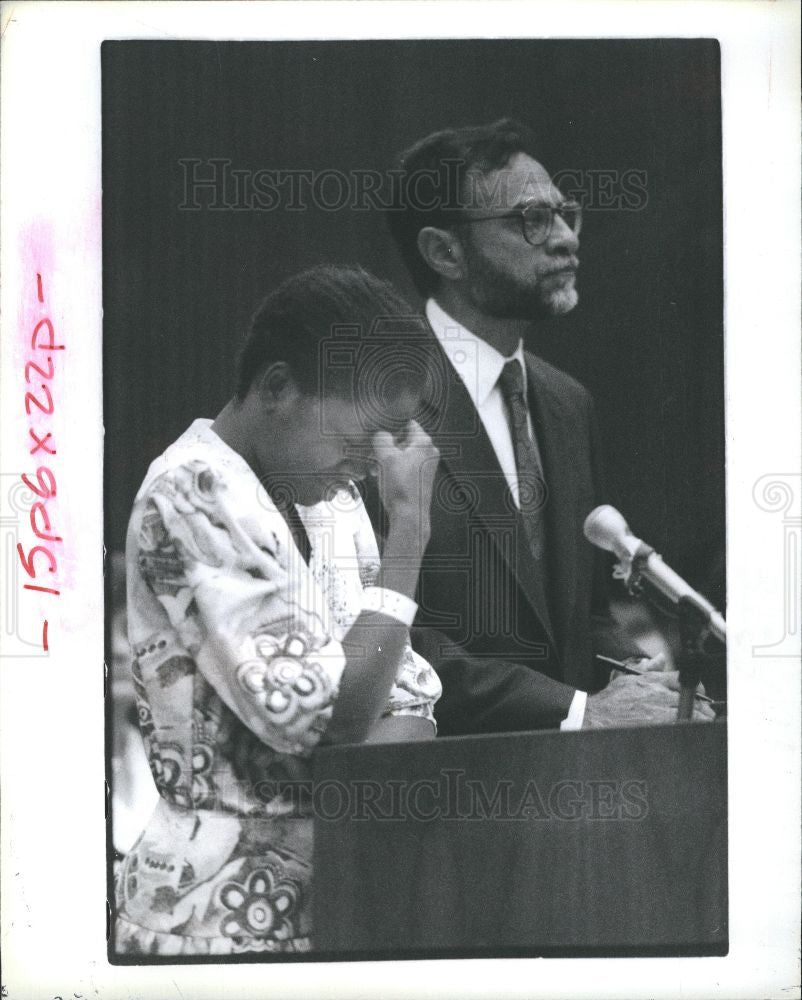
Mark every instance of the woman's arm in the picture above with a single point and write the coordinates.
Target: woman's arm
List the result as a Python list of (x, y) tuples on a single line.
[(375, 643), (252, 623)]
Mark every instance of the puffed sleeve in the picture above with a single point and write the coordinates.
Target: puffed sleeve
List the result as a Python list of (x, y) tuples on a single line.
[(243, 604)]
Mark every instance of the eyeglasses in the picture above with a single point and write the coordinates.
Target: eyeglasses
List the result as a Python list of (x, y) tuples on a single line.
[(537, 220)]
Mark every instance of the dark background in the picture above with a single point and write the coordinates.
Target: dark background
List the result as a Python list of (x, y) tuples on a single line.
[(646, 339)]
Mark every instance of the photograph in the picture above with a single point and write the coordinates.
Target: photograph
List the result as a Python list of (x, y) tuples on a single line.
[(400, 499), (399, 340)]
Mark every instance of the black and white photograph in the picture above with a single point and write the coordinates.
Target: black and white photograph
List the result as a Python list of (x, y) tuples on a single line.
[(375, 314), (415, 493)]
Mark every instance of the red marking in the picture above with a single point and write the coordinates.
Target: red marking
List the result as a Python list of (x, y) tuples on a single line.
[(47, 407), (43, 491), (41, 371), (39, 396), (27, 562), (44, 590), (50, 345), (41, 443)]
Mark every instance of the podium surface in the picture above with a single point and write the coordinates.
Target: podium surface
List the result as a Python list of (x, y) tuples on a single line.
[(591, 842)]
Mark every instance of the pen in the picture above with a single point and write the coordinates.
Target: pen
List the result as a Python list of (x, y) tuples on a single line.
[(629, 669)]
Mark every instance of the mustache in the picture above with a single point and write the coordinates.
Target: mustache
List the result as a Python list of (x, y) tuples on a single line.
[(565, 264)]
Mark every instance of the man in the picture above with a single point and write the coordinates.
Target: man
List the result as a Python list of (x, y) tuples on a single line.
[(512, 605)]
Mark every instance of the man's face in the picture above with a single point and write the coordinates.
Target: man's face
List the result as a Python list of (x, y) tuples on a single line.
[(326, 444), (506, 276)]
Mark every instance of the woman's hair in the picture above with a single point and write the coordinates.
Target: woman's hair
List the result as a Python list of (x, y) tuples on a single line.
[(323, 323)]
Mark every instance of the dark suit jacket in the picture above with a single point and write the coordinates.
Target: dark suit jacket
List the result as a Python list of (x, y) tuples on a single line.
[(511, 637)]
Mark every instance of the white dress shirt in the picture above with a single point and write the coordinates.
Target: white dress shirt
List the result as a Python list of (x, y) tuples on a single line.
[(479, 367)]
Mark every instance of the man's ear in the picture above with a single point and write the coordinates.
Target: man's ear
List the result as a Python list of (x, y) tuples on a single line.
[(276, 385), (442, 251)]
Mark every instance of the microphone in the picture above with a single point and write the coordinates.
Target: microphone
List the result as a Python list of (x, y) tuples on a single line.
[(606, 528)]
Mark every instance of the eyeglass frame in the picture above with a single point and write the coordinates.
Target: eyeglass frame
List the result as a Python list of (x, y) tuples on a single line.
[(520, 213)]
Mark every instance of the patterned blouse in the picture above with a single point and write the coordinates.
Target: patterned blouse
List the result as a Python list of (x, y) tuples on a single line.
[(237, 661)]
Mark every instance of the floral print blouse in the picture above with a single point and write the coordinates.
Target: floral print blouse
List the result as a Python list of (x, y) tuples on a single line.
[(237, 659)]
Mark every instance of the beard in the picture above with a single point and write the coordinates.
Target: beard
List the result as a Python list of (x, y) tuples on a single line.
[(504, 296)]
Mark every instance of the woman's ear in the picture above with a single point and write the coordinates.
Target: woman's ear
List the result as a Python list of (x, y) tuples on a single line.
[(276, 385), (442, 251)]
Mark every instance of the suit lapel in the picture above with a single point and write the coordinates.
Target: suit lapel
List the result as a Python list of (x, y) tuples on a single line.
[(469, 458)]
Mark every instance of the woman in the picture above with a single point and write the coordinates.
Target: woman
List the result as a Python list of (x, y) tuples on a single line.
[(261, 621)]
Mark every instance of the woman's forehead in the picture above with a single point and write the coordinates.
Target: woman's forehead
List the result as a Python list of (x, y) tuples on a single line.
[(368, 412)]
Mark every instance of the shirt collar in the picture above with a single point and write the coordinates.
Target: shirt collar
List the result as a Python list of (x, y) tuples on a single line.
[(477, 363)]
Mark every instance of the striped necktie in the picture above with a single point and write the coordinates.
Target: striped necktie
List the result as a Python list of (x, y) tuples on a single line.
[(532, 491)]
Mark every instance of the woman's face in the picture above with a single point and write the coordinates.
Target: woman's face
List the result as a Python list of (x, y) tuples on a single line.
[(317, 446)]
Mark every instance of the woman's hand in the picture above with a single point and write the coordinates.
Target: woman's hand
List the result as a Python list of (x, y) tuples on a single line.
[(406, 469)]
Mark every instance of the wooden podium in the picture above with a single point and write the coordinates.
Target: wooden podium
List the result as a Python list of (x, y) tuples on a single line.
[(606, 842)]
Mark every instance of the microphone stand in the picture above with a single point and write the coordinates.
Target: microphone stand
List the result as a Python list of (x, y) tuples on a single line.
[(694, 629)]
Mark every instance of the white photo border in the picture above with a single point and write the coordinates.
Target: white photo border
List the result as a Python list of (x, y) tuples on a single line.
[(51, 726)]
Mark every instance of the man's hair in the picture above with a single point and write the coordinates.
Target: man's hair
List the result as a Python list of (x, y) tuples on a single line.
[(431, 189), (312, 315)]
